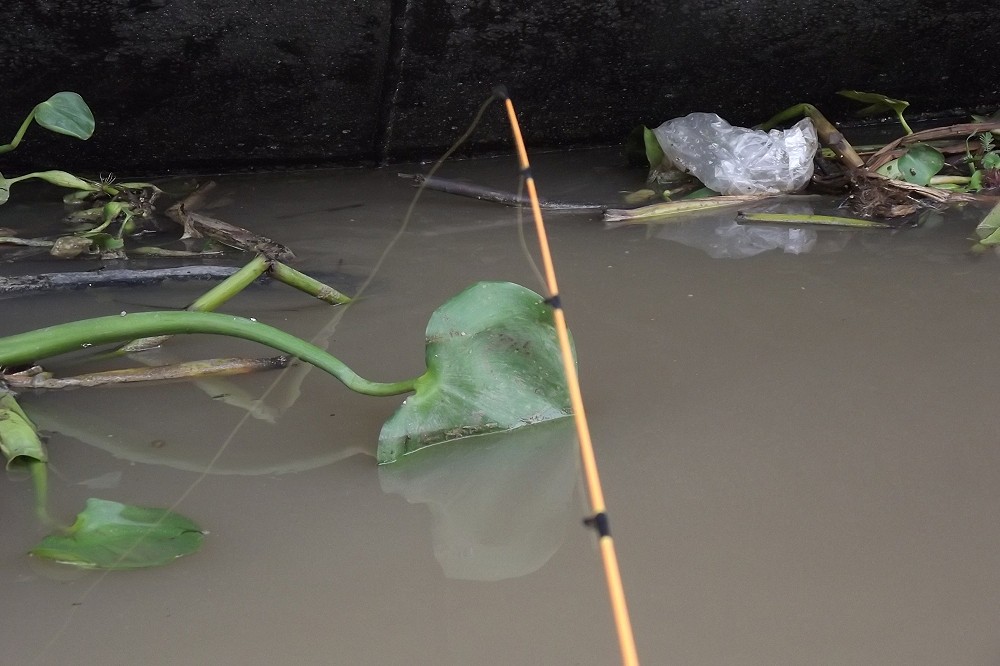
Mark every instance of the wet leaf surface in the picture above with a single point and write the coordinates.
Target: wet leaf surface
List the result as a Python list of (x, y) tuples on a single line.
[(920, 163), (110, 535), (493, 364), (18, 436)]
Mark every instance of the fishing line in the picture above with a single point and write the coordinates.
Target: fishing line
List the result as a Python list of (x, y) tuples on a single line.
[(599, 519), (523, 239), (326, 332)]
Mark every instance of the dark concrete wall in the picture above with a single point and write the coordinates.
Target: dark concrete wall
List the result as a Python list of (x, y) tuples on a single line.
[(238, 83)]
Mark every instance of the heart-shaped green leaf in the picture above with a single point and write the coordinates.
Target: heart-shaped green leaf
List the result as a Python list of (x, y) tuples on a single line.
[(109, 535), (493, 364), (920, 163), (66, 113)]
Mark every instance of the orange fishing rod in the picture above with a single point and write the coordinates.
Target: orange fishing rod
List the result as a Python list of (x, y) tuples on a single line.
[(599, 519)]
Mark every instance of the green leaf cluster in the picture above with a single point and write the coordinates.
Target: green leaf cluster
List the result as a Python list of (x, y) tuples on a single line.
[(63, 113)]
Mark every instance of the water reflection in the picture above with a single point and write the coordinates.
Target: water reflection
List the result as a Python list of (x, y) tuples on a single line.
[(726, 238), (499, 503)]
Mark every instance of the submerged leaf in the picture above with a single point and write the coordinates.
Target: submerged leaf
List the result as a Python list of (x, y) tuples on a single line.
[(66, 113), (110, 535), (493, 364)]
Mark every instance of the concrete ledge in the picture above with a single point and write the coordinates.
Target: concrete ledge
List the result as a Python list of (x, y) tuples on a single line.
[(234, 84)]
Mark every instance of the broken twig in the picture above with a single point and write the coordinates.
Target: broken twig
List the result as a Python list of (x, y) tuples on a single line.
[(219, 367)]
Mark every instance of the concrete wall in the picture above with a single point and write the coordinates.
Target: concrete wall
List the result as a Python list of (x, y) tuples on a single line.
[(178, 84)]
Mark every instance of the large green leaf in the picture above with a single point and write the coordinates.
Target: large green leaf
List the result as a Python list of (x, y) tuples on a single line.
[(493, 364), (109, 535), (66, 113)]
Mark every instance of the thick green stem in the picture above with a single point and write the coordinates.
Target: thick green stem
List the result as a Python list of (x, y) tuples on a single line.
[(212, 299), (902, 121), (828, 134), (209, 301), (34, 345), (40, 478), (303, 282)]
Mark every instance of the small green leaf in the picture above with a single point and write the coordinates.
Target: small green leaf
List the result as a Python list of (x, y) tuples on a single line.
[(4, 190), (105, 241), (878, 103), (986, 141), (654, 153), (64, 179), (493, 364), (989, 229), (18, 435), (991, 161), (66, 113), (109, 535), (976, 181), (920, 163)]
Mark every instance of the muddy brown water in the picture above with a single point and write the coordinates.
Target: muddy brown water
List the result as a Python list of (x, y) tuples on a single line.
[(799, 451)]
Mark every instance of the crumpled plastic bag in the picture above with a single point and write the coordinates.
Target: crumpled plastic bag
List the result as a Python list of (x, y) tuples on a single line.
[(737, 160)]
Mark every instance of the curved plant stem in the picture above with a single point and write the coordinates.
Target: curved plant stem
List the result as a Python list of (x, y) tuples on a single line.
[(7, 147), (40, 479), (34, 345)]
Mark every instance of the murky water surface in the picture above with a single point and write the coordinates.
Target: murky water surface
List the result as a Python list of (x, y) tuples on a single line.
[(799, 451)]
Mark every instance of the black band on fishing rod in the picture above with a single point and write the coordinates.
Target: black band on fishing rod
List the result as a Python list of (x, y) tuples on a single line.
[(526, 172), (554, 301), (599, 521), (501, 92)]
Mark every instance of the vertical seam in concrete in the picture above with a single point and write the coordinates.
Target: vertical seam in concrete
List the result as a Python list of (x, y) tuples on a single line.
[(398, 22)]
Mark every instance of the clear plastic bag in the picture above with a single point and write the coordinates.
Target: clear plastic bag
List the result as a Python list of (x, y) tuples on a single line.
[(737, 160)]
